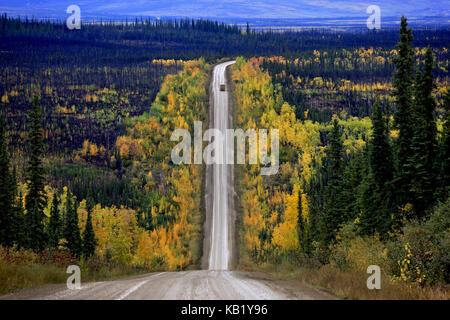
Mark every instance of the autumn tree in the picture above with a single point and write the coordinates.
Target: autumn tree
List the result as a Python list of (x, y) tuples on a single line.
[(285, 235), (36, 198)]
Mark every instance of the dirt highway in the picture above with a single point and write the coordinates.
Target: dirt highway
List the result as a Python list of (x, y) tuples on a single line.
[(217, 280), (219, 254)]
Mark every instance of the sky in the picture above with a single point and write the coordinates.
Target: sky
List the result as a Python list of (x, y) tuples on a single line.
[(275, 9)]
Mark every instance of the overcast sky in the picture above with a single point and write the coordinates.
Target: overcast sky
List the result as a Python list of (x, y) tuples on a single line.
[(229, 8)]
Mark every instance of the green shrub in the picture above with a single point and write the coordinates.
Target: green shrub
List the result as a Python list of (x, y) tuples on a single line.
[(421, 253), (358, 253)]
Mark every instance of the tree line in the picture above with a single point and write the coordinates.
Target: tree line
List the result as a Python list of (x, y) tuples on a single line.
[(23, 222), (134, 41), (320, 83), (352, 191), (395, 178)]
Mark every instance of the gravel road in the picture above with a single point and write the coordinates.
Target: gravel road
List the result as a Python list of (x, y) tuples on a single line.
[(217, 281)]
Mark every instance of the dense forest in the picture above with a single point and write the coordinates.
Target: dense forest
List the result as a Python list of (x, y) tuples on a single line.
[(320, 83), (143, 39), (352, 191), (163, 233), (86, 118)]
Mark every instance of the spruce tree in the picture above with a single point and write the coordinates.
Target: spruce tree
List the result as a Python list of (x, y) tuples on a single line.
[(380, 153), (315, 210), (377, 199), (301, 225), (354, 175), (35, 199), (71, 228), (403, 121), (424, 141), (6, 192), (54, 225), (20, 234), (18, 215), (89, 241), (444, 157), (333, 211)]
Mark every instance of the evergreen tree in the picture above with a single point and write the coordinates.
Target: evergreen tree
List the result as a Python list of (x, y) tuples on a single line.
[(444, 158), (315, 210), (380, 153), (71, 228), (333, 213), (21, 236), (54, 225), (6, 192), (35, 199), (403, 83), (18, 214), (354, 174), (119, 165), (301, 226), (424, 142), (89, 241), (387, 110), (377, 200)]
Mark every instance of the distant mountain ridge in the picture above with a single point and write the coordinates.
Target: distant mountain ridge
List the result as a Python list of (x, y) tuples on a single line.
[(234, 10)]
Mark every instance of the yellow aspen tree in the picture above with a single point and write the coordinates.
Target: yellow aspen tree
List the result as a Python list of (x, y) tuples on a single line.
[(285, 235)]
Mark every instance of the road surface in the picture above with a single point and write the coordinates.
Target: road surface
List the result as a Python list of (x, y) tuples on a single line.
[(217, 281), (185, 285), (220, 236)]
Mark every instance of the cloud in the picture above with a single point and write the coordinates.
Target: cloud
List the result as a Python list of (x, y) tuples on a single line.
[(358, 7), (231, 8)]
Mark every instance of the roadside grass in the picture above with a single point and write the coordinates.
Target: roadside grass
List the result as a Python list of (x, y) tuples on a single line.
[(198, 217), (21, 269), (346, 284), (14, 277), (109, 271)]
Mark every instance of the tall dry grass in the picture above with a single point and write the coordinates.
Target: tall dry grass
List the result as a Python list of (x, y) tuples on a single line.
[(24, 268), (349, 284)]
